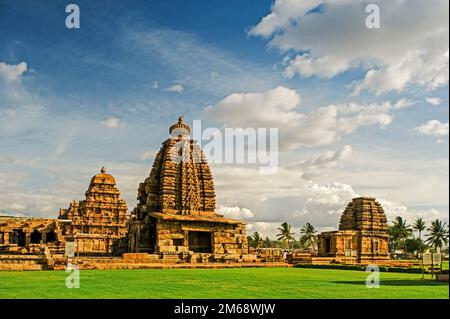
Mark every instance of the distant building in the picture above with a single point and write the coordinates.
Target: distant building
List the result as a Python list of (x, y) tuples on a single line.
[(26, 234), (362, 235), (98, 224)]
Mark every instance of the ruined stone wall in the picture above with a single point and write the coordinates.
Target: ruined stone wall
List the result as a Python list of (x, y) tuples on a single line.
[(173, 237), (26, 235), (102, 215)]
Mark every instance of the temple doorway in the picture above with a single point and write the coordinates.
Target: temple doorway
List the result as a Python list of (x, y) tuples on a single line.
[(35, 237), (50, 237), (18, 237), (200, 241), (328, 245)]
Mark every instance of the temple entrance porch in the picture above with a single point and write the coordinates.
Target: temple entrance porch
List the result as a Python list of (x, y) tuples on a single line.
[(200, 241)]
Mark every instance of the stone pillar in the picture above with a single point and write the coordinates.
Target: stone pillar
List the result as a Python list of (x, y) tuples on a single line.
[(27, 239), (6, 238)]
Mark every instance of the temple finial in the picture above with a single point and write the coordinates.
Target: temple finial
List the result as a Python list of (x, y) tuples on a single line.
[(180, 128)]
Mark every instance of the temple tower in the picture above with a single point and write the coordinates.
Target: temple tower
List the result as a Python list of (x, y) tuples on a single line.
[(175, 213), (98, 224)]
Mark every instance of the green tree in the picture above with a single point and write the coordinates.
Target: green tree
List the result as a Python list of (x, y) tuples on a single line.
[(285, 233), (401, 232), (250, 241), (438, 235), (267, 242), (420, 226), (392, 241), (414, 245), (257, 240), (308, 236)]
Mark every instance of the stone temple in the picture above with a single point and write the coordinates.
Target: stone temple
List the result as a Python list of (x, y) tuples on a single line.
[(175, 214), (362, 235), (175, 222), (98, 224)]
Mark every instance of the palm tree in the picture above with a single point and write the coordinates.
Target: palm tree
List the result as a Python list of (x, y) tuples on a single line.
[(392, 241), (438, 235), (257, 240), (250, 241), (267, 242), (285, 233), (420, 225), (308, 236), (402, 231)]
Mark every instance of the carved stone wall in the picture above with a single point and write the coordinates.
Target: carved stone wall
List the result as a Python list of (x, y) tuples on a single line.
[(176, 204), (98, 224), (362, 233)]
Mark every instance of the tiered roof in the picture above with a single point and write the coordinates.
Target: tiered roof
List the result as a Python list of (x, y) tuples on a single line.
[(364, 214)]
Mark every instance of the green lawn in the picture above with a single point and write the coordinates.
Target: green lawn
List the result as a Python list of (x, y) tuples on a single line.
[(218, 283)]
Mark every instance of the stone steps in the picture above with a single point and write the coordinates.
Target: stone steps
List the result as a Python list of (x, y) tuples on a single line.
[(22, 262)]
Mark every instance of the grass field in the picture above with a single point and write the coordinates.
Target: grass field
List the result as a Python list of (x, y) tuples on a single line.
[(218, 283)]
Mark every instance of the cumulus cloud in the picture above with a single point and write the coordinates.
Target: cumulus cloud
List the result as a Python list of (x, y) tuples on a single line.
[(12, 72), (330, 37), (177, 88), (20, 110), (265, 229), (112, 122), (433, 100), (148, 155), (235, 212), (433, 128), (322, 163), (278, 108)]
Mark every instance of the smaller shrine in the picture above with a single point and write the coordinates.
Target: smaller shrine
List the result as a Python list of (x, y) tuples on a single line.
[(98, 224), (362, 236)]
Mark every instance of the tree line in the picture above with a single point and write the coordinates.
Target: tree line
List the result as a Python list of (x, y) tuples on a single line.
[(401, 236)]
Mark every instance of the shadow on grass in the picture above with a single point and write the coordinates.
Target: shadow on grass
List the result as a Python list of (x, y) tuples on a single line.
[(394, 282)]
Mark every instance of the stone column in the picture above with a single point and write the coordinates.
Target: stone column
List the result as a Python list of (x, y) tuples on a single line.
[(27, 239), (6, 238)]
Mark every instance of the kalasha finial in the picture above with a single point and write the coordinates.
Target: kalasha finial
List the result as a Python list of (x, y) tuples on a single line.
[(180, 128), (103, 170)]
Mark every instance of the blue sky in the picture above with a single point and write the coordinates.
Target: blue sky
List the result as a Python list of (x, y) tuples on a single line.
[(106, 94)]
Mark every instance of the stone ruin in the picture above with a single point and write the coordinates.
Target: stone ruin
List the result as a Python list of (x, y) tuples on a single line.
[(174, 222), (98, 224), (175, 215), (362, 236)]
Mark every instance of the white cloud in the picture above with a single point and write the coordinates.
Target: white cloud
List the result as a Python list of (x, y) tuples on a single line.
[(323, 163), (278, 108), (433, 128), (20, 110), (155, 85), (433, 100), (148, 155), (190, 60), (112, 122), (177, 88), (265, 229), (409, 49), (12, 72), (235, 212)]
